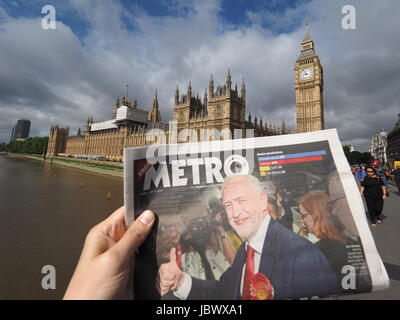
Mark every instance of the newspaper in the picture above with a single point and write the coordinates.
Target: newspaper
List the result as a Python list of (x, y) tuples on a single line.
[(276, 217)]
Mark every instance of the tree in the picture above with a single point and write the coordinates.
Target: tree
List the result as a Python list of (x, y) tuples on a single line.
[(357, 157), (366, 158), (347, 153), (347, 149), (31, 146)]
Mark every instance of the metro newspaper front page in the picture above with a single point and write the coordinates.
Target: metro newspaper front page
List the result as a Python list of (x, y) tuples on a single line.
[(265, 218)]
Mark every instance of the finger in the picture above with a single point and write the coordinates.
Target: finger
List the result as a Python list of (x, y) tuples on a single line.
[(174, 285), (172, 256), (164, 272), (163, 284), (106, 225), (117, 231), (135, 235), (114, 225), (167, 284), (161, 290), (117, 216), (164, 291), (110, 227)]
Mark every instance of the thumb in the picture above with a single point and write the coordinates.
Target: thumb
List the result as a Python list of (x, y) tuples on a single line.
[(172, 256), (136, 234)]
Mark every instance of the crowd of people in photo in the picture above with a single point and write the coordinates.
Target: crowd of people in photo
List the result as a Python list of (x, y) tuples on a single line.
[(206, 246), (386, 173)]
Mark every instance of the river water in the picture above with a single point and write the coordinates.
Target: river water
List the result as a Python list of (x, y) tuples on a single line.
[(45, 215)]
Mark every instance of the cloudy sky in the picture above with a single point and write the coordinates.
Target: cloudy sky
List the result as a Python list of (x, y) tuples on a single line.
[(62, 76)]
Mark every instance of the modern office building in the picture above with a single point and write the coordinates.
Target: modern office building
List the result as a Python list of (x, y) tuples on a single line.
[(21, 130)]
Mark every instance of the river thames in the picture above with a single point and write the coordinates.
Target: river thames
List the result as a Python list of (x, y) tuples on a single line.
[(45, 214)]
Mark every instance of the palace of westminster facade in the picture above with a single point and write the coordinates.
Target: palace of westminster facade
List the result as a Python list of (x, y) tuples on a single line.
[(222, 108)]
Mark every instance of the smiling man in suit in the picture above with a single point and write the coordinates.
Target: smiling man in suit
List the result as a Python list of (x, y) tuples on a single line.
[(273, 262)]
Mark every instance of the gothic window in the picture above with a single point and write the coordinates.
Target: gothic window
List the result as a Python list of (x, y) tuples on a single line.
[(218, 111)]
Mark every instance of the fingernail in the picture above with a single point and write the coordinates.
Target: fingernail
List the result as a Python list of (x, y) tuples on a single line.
[(147, 217)]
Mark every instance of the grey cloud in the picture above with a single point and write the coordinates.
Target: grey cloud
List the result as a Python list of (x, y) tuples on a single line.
[(67, 79)]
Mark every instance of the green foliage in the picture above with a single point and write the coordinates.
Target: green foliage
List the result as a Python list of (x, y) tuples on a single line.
[(3, 146), (361, 157), (94, 165), (346, 149), (347, 152), (357, 157), (30, 146)]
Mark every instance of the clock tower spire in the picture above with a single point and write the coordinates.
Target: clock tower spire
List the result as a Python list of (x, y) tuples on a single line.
[(309, 85)]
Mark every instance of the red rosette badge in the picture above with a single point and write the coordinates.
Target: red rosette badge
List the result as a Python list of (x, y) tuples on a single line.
[(261, 288)]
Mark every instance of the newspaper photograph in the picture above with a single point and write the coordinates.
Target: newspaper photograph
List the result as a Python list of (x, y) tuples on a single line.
[(277, 217)]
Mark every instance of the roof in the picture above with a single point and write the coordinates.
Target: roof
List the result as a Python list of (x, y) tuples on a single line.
[(109, 124), (310, 53), (307, 36), (125, 113)]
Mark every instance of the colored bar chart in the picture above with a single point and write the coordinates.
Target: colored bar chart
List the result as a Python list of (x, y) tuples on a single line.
[(266, 162)]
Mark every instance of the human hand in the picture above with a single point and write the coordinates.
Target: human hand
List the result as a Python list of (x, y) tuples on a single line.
[(169, 276), (220, 229), (304, 229), (104, 266), (384, 197)]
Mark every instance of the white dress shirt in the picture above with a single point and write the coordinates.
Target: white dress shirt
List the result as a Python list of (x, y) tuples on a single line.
[(192, 265), (257, 243), (217, 261)]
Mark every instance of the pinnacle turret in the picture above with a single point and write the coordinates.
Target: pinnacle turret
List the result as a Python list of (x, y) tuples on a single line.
[(307, 36)]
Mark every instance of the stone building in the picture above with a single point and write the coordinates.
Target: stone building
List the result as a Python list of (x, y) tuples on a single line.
[(223, 109), (57, 140), (195, 119), (309, 85), (378, 148), (393, 142)]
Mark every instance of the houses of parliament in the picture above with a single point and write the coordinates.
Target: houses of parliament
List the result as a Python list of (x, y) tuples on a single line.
[(222, 107)]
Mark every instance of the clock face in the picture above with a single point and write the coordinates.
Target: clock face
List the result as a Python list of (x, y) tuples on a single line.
[(306, 73)]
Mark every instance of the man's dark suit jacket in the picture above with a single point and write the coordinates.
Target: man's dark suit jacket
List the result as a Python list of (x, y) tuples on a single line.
[(294, 266)]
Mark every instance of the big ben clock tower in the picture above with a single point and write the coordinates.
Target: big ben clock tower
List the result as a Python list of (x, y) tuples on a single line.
[(309, 84)]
